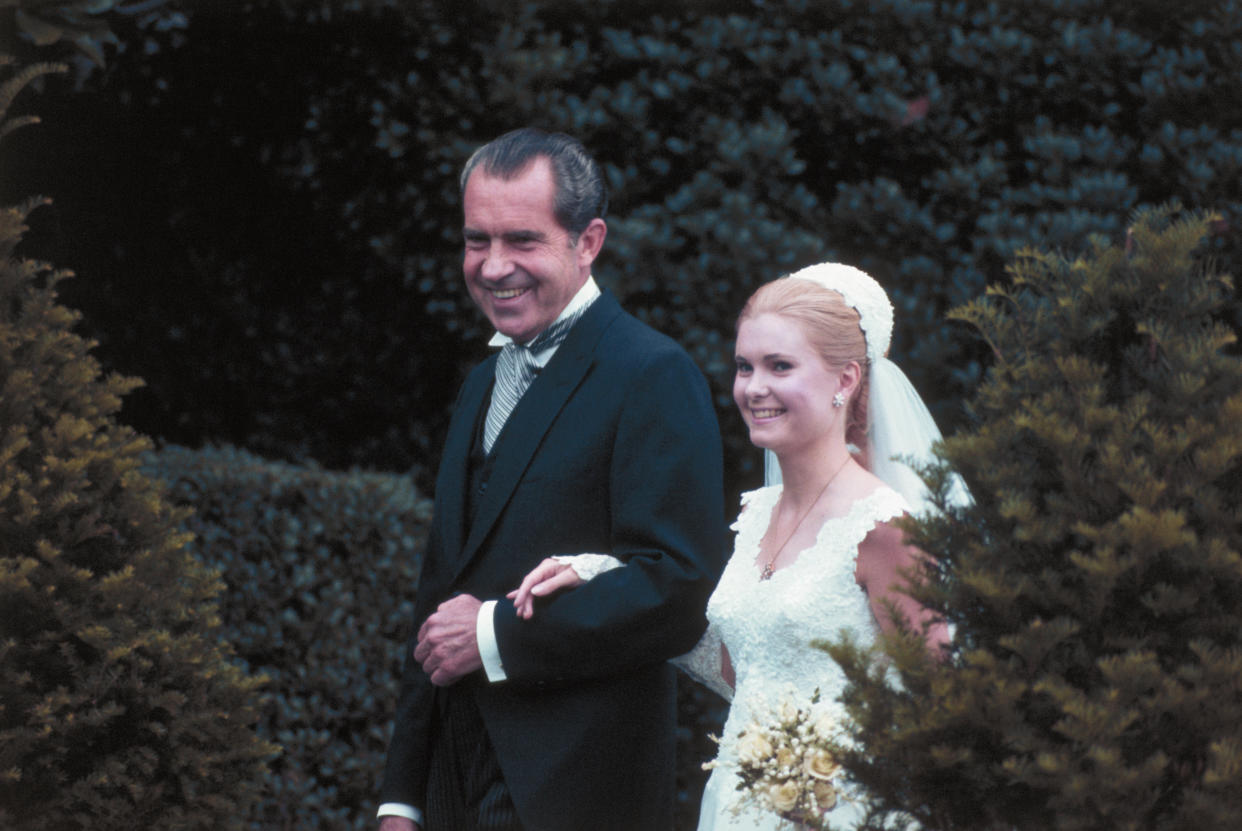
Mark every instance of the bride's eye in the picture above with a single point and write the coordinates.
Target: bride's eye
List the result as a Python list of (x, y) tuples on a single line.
[(743, 368)]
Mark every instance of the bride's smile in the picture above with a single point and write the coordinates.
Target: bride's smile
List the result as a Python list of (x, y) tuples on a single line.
[(783, 387)]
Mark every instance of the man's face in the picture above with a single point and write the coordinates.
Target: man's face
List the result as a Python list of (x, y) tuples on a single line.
[(519, 265)]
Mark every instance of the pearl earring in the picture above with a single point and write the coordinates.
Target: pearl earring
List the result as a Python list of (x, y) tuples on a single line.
[(838, 400)]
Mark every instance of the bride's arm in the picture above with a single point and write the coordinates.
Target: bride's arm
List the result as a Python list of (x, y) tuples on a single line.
[(708, 663), (557, 573), (884, 564)]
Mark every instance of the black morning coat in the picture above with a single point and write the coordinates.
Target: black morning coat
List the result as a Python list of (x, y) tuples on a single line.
[(614, 449)]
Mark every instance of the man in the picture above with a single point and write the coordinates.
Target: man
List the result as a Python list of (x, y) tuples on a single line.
[(603, 442)]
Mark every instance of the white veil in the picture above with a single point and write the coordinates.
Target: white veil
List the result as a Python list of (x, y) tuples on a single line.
[(900, 428)]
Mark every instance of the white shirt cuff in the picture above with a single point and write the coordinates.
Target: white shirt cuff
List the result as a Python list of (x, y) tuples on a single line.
[(396, 809), (489, 650)]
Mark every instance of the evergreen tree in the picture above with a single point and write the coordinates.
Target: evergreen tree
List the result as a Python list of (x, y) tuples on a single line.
[(1096, 583), (119, 706)]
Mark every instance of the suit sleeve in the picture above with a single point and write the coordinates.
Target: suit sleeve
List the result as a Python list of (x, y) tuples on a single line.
[(405, 772), (666, 510)]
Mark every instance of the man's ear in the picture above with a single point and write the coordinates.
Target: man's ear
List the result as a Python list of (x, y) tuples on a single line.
[(591, 242)]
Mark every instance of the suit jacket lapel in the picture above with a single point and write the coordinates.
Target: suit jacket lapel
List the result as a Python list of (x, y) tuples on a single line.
[(534, 414), (453, 478)]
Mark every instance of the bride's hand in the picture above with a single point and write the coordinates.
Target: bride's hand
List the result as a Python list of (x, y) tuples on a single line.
[(547, 577)]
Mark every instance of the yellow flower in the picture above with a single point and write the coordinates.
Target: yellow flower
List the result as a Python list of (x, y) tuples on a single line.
[(825, 795), (753, 748), (820, 764), (786, 757), (784, 797)]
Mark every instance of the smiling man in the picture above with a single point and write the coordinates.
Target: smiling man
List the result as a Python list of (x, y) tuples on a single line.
[(522, 266), (588, 433)]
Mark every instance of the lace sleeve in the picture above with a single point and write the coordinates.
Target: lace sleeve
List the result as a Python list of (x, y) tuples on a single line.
[(589, 566), (704, 664)]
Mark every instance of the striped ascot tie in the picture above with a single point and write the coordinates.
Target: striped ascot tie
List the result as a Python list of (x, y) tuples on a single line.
[(515, 371)]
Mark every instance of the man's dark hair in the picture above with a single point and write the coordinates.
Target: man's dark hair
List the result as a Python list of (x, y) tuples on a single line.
[(581, 194)]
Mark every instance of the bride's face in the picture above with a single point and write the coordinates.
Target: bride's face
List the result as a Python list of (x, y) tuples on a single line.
[(783, 387)]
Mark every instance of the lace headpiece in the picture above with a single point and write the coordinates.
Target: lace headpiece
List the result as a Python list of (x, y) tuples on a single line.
[(861, 291)]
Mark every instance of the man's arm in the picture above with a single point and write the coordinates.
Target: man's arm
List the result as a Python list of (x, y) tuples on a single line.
[(405, 771), (666, 508), (453, 668), (406, 767)]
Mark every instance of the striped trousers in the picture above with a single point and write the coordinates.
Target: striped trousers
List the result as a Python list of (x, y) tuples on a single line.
[(465, 788)]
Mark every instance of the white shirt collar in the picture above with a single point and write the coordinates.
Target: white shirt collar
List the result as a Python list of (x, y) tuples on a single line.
[(585, 297)]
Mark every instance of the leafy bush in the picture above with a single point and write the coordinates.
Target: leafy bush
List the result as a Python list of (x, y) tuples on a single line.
[(321, 569), (120, 707), (292, 233), (1095, 582)]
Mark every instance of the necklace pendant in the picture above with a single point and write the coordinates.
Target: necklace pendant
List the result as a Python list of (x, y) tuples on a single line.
[(766, 574)]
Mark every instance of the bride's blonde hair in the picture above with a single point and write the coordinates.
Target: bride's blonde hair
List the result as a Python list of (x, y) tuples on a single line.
[(833, 330)]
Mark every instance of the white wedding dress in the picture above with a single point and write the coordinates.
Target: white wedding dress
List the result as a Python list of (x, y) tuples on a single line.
[(768, 626)]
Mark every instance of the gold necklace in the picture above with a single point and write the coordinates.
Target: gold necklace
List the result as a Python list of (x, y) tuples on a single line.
[(768, 571)]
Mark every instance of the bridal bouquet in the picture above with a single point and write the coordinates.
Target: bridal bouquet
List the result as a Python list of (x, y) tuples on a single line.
[(787, 762)]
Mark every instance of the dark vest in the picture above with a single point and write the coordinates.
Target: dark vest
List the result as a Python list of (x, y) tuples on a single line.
[(480, 465)]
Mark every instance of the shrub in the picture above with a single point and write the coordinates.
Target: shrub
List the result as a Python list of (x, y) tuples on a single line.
[(295, 244), (320, 569), (119, 706), (1095, 582)]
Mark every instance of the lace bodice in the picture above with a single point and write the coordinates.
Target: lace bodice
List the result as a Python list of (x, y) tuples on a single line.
[(768, 625)]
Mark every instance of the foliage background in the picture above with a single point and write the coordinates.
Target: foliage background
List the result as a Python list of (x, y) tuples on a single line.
[(261, 198), (121, 704), (319, 569)]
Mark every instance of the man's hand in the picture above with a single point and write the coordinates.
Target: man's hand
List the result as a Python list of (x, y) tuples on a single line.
[(398, 824), (447, 646)]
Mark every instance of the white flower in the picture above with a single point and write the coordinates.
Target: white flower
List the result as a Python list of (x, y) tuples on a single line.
[(821, 765), (788, 713), (753, 748), (825, 796), (825, 726), (785, 757), (784, 797)]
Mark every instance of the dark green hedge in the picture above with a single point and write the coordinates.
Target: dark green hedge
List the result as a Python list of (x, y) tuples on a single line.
[(321, 570), (279, 260)]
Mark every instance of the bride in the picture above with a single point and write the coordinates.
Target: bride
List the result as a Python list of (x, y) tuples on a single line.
[(816, 550)]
